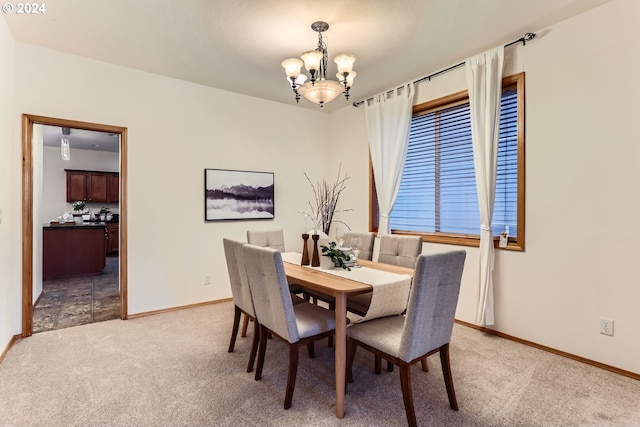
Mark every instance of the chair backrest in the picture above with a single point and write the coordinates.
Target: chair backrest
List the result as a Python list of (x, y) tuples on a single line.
[(238, 275), (400, 250), (432, 303), (366, 243), (267, 238), (270, 291)]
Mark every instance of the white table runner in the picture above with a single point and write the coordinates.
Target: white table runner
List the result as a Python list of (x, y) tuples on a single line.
[(390, 290)]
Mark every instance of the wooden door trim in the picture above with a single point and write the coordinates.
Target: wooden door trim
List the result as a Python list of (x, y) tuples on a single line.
[(28, 120)]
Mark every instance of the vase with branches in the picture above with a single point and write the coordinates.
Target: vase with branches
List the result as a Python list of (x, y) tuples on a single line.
[(325, 200)]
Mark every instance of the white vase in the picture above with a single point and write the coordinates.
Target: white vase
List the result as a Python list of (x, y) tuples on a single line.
[(326, 262), (321, 241)]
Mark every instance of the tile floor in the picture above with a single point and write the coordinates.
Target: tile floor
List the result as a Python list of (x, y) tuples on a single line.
[(79, 300)]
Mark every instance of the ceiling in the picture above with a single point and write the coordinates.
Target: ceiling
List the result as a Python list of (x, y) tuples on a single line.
[(81, 139), (237, 45)]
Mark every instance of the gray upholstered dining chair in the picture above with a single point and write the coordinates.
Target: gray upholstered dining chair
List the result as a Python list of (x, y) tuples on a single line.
[(399, 249), (299, 324), (367, 239), (242, 300), (425, 329), (396, 250), (267, 238), (270, 239)]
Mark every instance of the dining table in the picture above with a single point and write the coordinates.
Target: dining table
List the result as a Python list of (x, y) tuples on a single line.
[(340, 287)]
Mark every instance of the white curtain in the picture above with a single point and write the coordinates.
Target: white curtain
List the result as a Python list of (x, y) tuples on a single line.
[(388, 119), (484, 79)]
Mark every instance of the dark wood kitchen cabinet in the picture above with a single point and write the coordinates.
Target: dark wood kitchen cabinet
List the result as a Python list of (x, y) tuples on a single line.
[(92, 186), (113, 238), (113, 187), (70, 251), (76, 185), (96, 187)]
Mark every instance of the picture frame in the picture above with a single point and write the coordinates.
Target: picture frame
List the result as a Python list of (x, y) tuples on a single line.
[(238, 195)]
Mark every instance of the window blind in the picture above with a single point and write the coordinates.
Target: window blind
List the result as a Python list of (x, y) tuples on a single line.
[(438, 190)]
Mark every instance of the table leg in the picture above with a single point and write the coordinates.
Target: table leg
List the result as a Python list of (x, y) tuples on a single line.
[(340, 351)]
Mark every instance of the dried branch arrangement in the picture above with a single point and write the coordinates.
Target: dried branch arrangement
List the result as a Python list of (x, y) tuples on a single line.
[(326, 197)]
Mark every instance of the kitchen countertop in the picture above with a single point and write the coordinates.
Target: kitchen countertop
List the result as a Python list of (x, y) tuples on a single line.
[(71, 225)]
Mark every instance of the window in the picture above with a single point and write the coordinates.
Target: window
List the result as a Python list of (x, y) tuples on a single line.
[(437, 197)]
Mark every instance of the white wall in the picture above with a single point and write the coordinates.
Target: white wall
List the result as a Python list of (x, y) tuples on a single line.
[(176, 130), (582, 157), (10, 179), (582, 199), (54, 182)]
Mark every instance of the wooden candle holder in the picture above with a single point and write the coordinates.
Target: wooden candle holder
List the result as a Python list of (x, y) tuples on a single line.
[(305, 251), (315, 258)]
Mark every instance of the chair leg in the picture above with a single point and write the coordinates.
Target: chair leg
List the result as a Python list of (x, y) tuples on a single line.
[(425, 366), (377, 361), (261, 352), (254, 346), (332, 307), (291, 378), (407, 395), (448, 379), (234, 331), (311, 350), (245, 323), (389, 366), (351, 355)]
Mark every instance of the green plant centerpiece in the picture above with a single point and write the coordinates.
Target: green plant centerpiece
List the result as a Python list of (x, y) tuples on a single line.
[(78, 207), (337, 256)]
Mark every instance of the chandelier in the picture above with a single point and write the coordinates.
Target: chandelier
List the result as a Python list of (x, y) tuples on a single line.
[(318, 89)]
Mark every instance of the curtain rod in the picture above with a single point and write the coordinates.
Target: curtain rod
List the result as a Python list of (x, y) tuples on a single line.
[(524, 39)]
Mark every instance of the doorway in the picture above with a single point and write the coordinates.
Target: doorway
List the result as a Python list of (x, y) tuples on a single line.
[(30, 161)]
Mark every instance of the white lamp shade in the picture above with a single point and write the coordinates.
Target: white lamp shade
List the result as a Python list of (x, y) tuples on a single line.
[(299, 81), (352, 75), (65, 151), (312, 59), (322, 92), (292, 67), (345, 62)]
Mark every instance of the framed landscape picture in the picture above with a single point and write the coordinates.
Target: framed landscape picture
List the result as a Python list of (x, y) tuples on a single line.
[(233, 195)]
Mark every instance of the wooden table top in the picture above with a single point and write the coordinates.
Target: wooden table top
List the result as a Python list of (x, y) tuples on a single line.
[(331, 284)]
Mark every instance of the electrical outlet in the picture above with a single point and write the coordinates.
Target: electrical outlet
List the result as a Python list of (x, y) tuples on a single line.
[(606, 326), (207, 279)]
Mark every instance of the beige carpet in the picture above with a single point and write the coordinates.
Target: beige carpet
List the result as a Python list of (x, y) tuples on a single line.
[(173, 369)]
